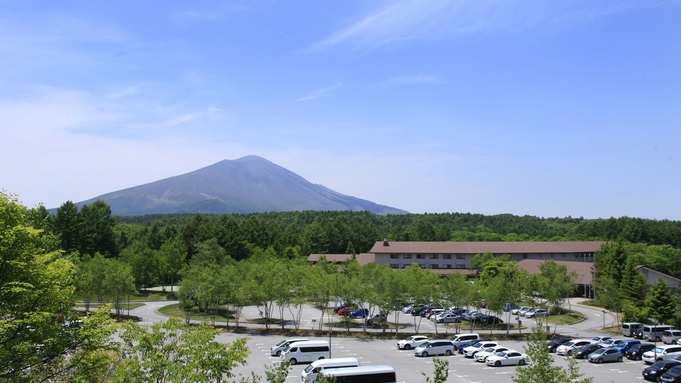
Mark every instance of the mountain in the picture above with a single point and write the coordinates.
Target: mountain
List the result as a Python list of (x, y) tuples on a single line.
[(249, 184)]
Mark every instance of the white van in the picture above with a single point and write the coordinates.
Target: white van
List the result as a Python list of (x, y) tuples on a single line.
[(654, 333), (671, 336), (362, 374), (281, 346), (630, 328), (460, 339), (307, 351), (310, 372)]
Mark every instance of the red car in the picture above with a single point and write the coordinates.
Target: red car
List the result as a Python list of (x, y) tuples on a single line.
[(346, 311)]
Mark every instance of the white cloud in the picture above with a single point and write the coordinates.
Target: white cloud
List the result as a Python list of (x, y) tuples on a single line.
[(407, 20), (319, 93)]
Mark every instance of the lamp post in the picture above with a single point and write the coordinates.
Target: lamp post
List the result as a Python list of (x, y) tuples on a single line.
[(603, 319)]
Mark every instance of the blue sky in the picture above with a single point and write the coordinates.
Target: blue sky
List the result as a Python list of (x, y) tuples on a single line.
[(546, 108)]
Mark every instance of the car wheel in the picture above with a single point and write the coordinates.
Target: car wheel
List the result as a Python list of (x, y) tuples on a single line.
[(600, 360), (424, 354), (448, 353), (278, 353), (497, 363), (293, 361), (521, 362), (619, 359), (569, 353), (406, 347)]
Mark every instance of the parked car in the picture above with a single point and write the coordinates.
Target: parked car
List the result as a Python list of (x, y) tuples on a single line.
[(461, 347), (359, 313), (482, 356), (536, 313), (376, 318), (661, 353), (552, 344), (671, 336), (638, 333), (279, 347), (411, 342), (464, 339), (487, 319), (342, 306), (510, 307), (470, 351), (609, 342), (625, 344), (519, 309), (507, 358), (607, 354), (570, 347), (598, 339), (346, 310), (524, 310), (636, 351), (435, 347), (584, 351), (673, 375), (448, 318), (653, 372)]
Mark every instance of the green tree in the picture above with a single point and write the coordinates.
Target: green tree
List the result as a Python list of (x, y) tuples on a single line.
[(172, 258), (171, 351), (65, 225), (659, 302), (541, 367), (441, 372), (96, 229)]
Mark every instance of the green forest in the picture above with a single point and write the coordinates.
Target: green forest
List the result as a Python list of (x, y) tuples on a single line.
[(51, 261)]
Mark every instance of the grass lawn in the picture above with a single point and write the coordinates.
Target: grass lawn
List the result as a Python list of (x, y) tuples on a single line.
[(125, 306), (174, 311)]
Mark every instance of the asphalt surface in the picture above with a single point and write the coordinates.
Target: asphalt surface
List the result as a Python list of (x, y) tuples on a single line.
[(409, 368)]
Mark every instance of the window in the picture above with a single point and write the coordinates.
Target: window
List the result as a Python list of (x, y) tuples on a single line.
[(420, 256), (524, 256), (460, 266), (448, 266), (407, 256), (422, 265), (393, 256), (461, 256), (434, 266), (447, 256), (394, 265), (434, 256)]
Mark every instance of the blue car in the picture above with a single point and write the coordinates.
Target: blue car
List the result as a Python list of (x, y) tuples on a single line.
[(359, 313), (625, 344)]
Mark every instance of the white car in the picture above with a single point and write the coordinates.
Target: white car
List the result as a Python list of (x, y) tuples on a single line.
[(411, 342), (570, 347), (662, 352), (519, 309), (470, 351), (608, 342), (507, 358), (447, 318), (481, 356), (598, 339)]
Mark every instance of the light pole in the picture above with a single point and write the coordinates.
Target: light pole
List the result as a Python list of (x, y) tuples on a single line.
[(603, 319)]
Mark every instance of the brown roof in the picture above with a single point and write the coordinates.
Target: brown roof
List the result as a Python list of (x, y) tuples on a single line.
[(583, 269), (484, 247)]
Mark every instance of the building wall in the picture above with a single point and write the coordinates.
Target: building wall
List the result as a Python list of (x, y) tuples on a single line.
[(462, 261)]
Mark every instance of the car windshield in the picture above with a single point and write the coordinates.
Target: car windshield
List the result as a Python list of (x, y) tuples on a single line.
[(570, 343), (600, 351), (676, 371), (502, 353), (657, 350)]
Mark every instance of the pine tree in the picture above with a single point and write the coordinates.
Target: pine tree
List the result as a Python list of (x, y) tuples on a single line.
[(660, 303)]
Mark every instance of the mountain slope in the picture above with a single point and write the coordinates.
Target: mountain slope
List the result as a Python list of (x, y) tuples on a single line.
[(249, 184)]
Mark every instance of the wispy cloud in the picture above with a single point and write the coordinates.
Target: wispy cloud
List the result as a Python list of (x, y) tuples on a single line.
[(407, 20), (418, 79), (319, 93)]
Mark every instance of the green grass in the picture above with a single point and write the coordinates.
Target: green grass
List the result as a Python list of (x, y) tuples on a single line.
[(221, 314), (97, 305)]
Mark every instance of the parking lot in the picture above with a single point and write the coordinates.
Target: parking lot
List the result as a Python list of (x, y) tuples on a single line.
[(409, 367)]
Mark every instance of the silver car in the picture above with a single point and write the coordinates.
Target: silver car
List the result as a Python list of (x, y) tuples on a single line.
[(435, 347), (605, 355)]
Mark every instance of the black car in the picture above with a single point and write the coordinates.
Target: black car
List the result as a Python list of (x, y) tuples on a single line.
[(654, 372), (585, 350), (638, 334), (487, 319), (552, 345), (636, 351), (673, 375)]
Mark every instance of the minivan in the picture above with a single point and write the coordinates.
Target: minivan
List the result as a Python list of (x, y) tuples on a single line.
[(281, 346), (671, 336), (460, 339), (630, 328), (307, 351), (435, 347), (373, 374), (654, 333), (310, 372)]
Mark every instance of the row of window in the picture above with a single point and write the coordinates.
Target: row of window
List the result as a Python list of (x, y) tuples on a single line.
[(427, 266), (431, 256)]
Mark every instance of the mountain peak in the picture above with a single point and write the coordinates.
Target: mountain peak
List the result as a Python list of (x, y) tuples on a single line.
[(250, 184)]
